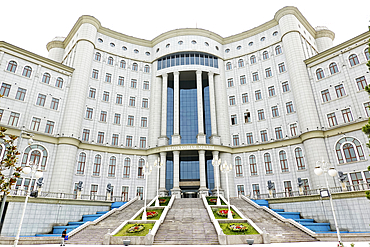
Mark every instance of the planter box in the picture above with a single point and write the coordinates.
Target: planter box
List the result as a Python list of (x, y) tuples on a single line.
[(242, 239), (144, 240)]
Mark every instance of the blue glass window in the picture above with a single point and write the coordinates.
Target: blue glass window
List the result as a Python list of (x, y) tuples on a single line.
[(189, 168), (186, 58), (188, 112), (169, 114), (169, 174)]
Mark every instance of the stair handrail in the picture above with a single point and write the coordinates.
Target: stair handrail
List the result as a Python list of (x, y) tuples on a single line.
[(211, 216), (276, 215), (83, 226)]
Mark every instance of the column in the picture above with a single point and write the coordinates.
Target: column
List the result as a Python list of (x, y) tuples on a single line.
[(202, 173), (163, 140), (176, 138), (215, 139), (201, 137), (176, 174), (162, 177)]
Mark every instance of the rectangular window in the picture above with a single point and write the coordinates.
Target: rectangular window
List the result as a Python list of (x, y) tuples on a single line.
[(140, 190), (49, 127), (133, 83), (115, 139), (232, 100), (234, 120), (256, 190), (288, 188), (243, 80), (347, 115), (247, 117), (128, 141), (105, 96), (108, 77), (35, 124), (340, 91), (95, 74), (1, 113), (367, 108), (94, 189), (131, 101), (21, 93), (245, 98), (258, 95), (85, 135), (146, 85), (130, 120), (54, 104), (13, 119), (255, 76), (271, 91), (235, 140), (278, 133), (325, 95), (332, 119), (240, 189), (275, 111), (117, 118), (89, 113), (285, 86), (5, 89), (289, 107), (249, 138), (41, 100), (230, 82), (142, 142), (121, 81), (103, 116), (92, 93), (100, 137), (264, 137), (268, 72), (361, 83), (281, 67), (261, 114), (124, 193), (144, 122), (293, 129), (119, 99), (145, 103)]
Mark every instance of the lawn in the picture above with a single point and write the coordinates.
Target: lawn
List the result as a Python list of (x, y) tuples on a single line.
[(159, 211), (219, 217), (123, 231), (227, 231)]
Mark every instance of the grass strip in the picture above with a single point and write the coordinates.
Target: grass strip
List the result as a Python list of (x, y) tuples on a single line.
[(123, 231)]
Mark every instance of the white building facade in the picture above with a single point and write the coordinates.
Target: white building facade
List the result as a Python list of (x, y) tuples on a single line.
[(271, 101)]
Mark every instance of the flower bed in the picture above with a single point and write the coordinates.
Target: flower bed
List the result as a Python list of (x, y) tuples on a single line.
[(224, 212), (151, 214), (213, 201), (163, 201), (142, 232), (221, 214), (238, 228), (136, 228)]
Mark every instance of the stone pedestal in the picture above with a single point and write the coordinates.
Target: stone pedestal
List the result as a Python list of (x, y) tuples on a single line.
[(163, 141), (176, 192), (162, 192)]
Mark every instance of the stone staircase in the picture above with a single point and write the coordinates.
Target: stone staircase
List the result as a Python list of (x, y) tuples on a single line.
[(280, 232), (94, 234), (187, 223)]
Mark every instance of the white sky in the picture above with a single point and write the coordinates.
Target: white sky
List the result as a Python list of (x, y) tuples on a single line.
[(31, 24)]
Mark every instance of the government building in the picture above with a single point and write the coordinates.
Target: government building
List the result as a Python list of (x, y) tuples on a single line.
[(271, 102)]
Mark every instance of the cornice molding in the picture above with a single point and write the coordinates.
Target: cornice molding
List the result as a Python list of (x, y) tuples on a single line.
[(326, 33)]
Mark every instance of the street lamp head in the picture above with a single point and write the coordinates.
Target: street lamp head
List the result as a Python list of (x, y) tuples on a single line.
[(39, 174), (155, 163), (318, 170), (27, 170), (332, 172)]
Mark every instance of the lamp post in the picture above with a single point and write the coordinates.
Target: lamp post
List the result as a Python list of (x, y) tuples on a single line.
[(323, 167), (225, 168), (216, 164), (147, 170), (36, 172), (158, 164)]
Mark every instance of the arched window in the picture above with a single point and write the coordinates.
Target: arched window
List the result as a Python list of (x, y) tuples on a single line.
[(146, 69), (140, 171), (278, 50), (110, 60), (238, 167), (333, 68), (81, 163), (299, 159), (268, 165), (353, 60), (35, 153), (112, 167), (253, 165), (97, 164), (12, 66), (253, 59), (126, 168), (97, 56), (2, 151), (46, 78), (241, 63), (122, 64), (27, 71), (349, 149), (320, 74), (366, 51), (265, 55), (229, 66), (283, 161), (134, 67), (59, 82)]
